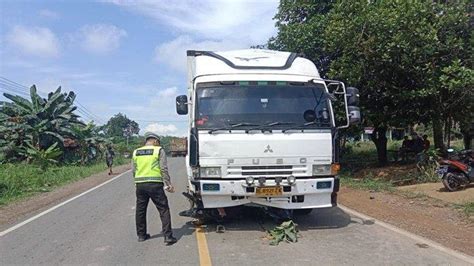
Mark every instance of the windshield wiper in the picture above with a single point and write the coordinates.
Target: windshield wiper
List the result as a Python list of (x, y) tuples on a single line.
[(305, 125), (231, 127), (269, 125)]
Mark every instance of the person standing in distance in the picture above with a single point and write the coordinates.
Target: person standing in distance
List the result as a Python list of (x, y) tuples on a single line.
[(109, 157), (150, 172)]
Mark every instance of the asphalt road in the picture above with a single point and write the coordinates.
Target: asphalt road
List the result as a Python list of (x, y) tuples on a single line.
[(99, 228)]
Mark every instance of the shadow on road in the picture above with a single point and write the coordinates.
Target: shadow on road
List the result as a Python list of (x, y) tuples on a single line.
[(255, 219), (329, 218), (185, 230)]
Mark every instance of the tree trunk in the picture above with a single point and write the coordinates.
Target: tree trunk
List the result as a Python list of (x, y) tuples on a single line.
[(467, 139), (448, 130), (466, 131), (379, 138), (438, 133)]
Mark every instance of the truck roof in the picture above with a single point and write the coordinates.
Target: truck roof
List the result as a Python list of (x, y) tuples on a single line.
[(248, 61)]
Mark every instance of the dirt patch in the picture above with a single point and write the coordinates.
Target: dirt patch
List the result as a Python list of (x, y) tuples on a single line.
[(391, 172), (424, 216), (14, 212), (437, 190)]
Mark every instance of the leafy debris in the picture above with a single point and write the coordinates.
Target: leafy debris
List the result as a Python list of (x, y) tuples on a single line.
[(287, 231)]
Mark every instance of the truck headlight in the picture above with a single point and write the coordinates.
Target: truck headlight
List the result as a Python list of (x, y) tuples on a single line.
[(291, 180), (321, 169), (210, 172), (249, 180)]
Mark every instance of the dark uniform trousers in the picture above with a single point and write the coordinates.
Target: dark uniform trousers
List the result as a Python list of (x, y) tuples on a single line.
[(156, 193)]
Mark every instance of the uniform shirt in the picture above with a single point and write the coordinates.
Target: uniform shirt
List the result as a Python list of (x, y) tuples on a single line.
[(163, 167)]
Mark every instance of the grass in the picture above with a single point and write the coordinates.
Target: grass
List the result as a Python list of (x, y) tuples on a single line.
[(22, 180), (466, 208), (359, 159), (368, 183)]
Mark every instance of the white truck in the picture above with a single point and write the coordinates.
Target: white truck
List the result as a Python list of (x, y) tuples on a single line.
[(262, 130)]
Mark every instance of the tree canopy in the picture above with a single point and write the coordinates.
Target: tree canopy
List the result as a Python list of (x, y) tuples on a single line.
[(410, 60), (120, 126)]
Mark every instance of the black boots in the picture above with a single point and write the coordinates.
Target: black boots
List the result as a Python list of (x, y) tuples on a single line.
[(170, 240), (143, 238)]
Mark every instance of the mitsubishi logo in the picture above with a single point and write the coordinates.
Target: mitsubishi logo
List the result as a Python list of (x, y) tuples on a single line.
[(268, 149)]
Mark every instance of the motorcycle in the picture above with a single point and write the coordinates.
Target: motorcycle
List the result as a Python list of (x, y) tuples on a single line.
[(457, 171)]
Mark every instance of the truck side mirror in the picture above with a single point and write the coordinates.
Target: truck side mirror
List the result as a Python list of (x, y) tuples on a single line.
[(352, 95), (354, 115), (182, 104)]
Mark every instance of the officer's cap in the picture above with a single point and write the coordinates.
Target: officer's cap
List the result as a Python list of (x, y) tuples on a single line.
[(149, 135)]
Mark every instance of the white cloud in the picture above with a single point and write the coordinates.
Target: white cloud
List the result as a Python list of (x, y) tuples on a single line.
[(207, 25), (164, 101), (168, 92), (36, 41), (173, 53), (101, 38), (161, 129), (157, 107), (46, 13), (212, 18)]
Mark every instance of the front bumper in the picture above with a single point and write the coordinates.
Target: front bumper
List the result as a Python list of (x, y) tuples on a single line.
[(304, 194)]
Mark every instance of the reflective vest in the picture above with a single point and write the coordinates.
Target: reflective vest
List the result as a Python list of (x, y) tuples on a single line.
[(147, 164)]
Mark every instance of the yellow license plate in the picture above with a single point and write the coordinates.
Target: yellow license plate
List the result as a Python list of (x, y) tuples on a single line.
[(269, 191)]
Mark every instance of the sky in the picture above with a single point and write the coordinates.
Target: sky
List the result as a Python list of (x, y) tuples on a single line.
[(122, 55)]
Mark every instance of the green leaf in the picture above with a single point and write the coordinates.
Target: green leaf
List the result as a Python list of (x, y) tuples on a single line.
[(286, 231), (54, 134), (19, 101)]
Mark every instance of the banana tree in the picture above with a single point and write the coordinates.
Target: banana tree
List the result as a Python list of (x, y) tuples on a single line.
[(89, 142), (39, 121), (41, 157)]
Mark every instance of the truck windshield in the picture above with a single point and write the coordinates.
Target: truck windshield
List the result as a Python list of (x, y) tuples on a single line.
[(279, 106)]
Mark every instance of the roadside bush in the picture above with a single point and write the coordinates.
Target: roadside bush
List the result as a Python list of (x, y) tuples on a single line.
[(427, 167), (22, 179)]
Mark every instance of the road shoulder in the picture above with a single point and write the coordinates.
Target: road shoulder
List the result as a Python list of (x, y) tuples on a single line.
[(22, 209), (424, 216)]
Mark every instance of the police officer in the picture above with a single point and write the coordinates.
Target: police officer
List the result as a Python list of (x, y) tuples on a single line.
[(150, 172)]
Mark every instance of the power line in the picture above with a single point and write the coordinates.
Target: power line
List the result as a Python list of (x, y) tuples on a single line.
[(12, 84), (83, 108), (10, 91), (15, 87), (12, 88)]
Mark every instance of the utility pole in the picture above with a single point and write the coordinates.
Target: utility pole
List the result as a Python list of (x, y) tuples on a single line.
[(128, 132)]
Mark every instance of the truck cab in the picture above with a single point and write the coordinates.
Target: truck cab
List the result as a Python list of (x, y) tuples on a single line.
[(262, 130)]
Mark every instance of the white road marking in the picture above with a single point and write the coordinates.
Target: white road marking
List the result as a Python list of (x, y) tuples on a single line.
[(417, 238), (57, 206)]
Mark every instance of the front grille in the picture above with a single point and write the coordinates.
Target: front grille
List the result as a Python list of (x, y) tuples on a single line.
[(266, 171), (267, 167)]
